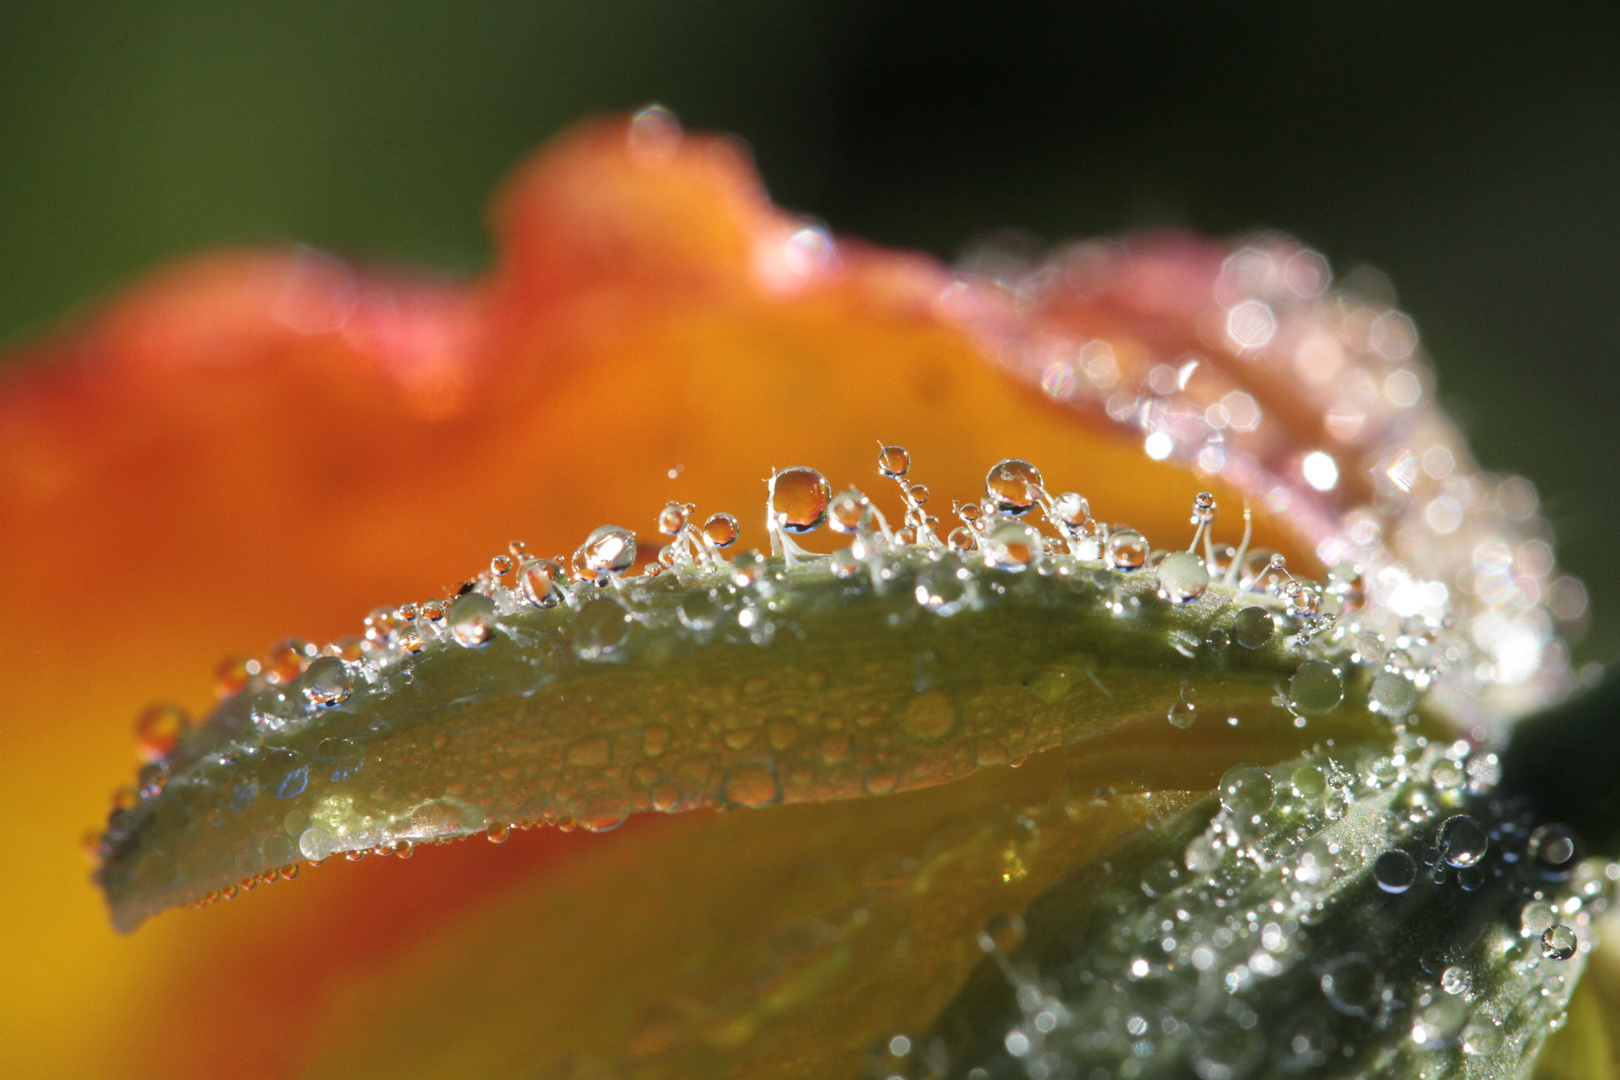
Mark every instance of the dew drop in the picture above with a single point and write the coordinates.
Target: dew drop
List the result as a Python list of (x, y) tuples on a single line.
[(601, 628), (286, 773), (1559, 942), (1126, 549), (699, 612), (317, 843), (961, 538), (1552, 846), (287, 661), (1395, 871), (542, 582), (1438, 1023), (1012, 545), (894, 462), (609, 549), (751, 785), (1012, 486), (498, 834), (1316, 689), (1183, 577), (328, 681), (1393, 695), (472, 620), (1182, 714), (847, 511), (1253, 627), (1456, 980), (1308, 782), (1462, 841), (1246, 790), (672, 519), (799, 499), (1481, 1037), (721, 530), (233, 675), (944, 587), (158, 728)]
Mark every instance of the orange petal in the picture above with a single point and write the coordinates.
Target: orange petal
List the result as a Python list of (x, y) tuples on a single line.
[(256, 444)]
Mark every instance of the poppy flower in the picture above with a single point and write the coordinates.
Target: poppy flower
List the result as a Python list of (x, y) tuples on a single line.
[(258, 444)]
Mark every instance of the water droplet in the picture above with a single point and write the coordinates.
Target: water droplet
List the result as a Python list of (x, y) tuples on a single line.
[(498, 834), (1246, 790), (542, 582), (721, 530), (894, 462), (328, 681), (1308, 782), (1316, 689), (961, 538), (1438, 1023), (799, 499), (751, 785), (233, 675), (945, 587), (1012, 545), (1126, 549), (1070, 510), (1481, 1037), (1553, 846), (699, 612), (1253, 627), (338, 759), (844, 562), (500, 566), (609, 550), (317, 843), (237, 793), (1462, 841), (1013, 486), (601, 628), (1183, 577), (1352, 985), (287, 661), (1395, 871), (1559, 942), (1393, 695), (847, 511), (472, 620), (158, 728), (1183, 713), (929, 717), (1456, 980), (672, 519)]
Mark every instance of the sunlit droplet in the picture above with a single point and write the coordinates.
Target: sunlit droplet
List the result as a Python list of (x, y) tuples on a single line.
[(799, 499), (1126, 549), (1012, 486), (601, 628), (721, 530), (472, 620), (158, 728), (541, 582), (328, 681), (1183, 577), (609, 549), (894, 461)]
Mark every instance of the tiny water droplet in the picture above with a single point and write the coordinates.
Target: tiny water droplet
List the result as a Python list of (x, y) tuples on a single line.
[(1393, 695), (1308, 782), (672, 518), (1253, 627), (542, 582), (799, 499), (1553, 846), (233, 675), (601, 628), (158, 728), (894, 462), (918, 493), (286, 773), (721, 529), (328, 682), (1013, 485), (338, 759), (1316, 689), (1246, 790), (1462, 840), (751, 785), (1012, 545), (609, 549), (1126, 549), (1559, 942), (498, 834), (1395, 871), (472, 620), (287, 661), (961, 538), (1183, 713), (847, 511), (1183, 577)]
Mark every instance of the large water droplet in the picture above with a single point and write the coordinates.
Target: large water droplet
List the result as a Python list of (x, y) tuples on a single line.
[(1316, 689), (1395, 871), (328, 681), (601, 628), (1253, 627), (472, 620), (1012, 545), (609, 549), (1126, 549), (799, 499), (1463, 841), (945, 587), (1013, 485), (1183, 577), (1246, 790), (158, 728)]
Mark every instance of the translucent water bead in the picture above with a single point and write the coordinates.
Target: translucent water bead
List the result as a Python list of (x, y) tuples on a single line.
[(894, 462), (328, 681), (541, 582), (610, 549), (1013, 485), (799, 499), (158, 728), (721, 530), (848, 510), (1183, 577), (1126, 549), (472, 619)]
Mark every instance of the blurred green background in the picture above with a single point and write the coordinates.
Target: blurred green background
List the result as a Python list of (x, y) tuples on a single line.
[(1472, 151)]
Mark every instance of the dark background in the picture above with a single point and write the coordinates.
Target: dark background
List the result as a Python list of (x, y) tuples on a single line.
[(1472, 151)]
